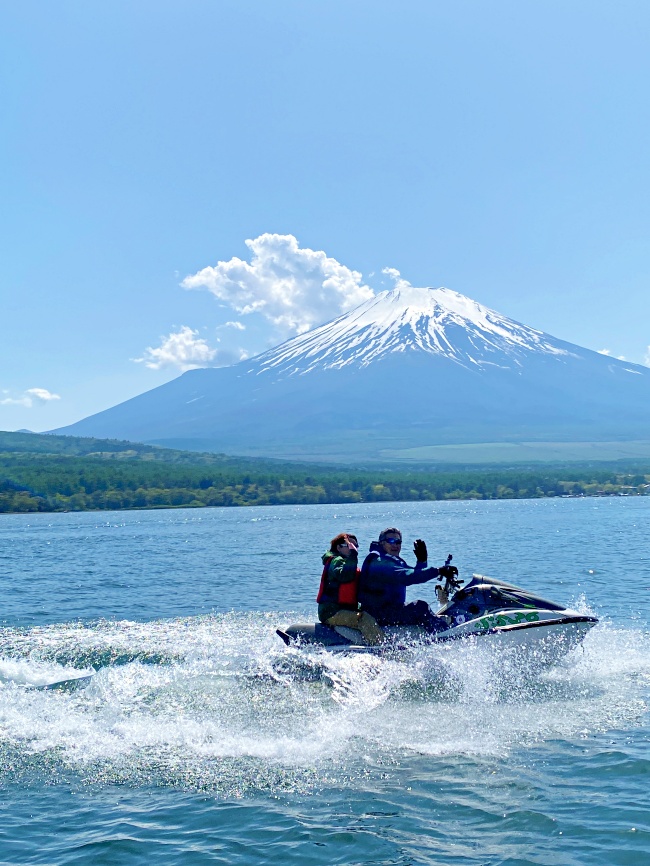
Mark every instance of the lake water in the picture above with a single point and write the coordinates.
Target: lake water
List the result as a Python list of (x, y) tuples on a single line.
[(202, 739)]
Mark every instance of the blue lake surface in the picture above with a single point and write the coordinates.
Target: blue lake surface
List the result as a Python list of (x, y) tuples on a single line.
[(202, 739)]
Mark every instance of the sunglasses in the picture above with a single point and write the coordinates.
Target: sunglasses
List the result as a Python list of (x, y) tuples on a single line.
[(393, 540)]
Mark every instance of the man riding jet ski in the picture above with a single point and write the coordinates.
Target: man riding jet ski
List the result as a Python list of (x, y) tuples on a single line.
[(485, 608), (385, 576)]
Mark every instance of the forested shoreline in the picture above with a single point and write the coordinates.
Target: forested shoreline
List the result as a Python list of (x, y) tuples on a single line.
[(130, 477)]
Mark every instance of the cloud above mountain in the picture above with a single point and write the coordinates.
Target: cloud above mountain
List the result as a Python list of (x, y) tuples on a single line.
[(292, 287), (185, 350), (398, 279), (29, 398)]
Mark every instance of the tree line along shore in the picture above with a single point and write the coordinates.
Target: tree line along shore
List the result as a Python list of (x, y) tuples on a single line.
[(68, 475)]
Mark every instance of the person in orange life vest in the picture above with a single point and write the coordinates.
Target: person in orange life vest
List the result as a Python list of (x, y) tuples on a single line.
[(337, 595)]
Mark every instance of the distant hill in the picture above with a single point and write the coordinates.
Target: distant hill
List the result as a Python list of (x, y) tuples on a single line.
[(408, 369), (48, 444), (24, 441)]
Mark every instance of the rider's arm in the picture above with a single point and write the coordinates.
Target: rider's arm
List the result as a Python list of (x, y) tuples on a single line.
[(391, 572)]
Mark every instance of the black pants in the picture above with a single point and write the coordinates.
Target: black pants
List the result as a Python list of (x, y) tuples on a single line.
[(415, 613)]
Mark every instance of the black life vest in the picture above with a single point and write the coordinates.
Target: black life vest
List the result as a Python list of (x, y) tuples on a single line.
[(346, 593)]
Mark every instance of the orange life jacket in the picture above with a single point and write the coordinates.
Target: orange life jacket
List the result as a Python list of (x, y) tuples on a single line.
[(346, 593)]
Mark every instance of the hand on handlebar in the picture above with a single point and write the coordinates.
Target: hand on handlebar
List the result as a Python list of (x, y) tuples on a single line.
[(450, 574)]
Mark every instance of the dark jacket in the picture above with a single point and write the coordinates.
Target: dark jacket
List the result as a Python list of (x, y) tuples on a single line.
[(341, 569), (383, 582)]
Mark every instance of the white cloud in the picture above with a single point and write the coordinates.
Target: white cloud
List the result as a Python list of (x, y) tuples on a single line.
[(647, 358), (185, 350), (17, 401), (608, 352), (42, 394), (236, 325), (26, 399), (394, 274), (293, 288)]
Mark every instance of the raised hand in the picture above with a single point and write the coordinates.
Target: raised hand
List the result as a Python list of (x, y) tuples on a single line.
[(420, 550)]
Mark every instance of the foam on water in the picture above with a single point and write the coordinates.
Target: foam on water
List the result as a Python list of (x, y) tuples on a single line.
[(218, 703)]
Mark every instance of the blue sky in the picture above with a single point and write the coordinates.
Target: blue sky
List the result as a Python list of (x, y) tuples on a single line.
[(496, 148)]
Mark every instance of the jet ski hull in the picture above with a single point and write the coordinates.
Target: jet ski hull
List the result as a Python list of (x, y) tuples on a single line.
[(545, 642)]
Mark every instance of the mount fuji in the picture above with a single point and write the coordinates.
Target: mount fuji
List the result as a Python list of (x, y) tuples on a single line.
[(409, 368)]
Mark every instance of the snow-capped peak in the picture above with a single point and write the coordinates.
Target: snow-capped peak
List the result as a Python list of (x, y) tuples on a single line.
[(437, 321)]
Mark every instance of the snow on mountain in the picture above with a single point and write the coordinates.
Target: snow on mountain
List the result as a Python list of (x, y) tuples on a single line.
[(437, 321), (406, 369)]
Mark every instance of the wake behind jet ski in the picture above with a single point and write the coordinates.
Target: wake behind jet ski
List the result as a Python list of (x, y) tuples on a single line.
[(486, 609)]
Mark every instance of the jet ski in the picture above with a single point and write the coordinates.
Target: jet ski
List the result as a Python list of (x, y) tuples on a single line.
[(492, 611)]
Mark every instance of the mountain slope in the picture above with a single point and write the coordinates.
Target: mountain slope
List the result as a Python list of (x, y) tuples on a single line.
[(408, 368)]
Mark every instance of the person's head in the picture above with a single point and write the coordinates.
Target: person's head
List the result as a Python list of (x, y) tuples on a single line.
[(340, 544), (391, 541)]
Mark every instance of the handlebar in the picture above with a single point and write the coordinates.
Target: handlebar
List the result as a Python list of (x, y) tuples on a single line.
[(451, 581)]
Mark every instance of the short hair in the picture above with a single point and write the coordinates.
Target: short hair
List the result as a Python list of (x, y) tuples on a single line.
[(390, 531), (340, 538)]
